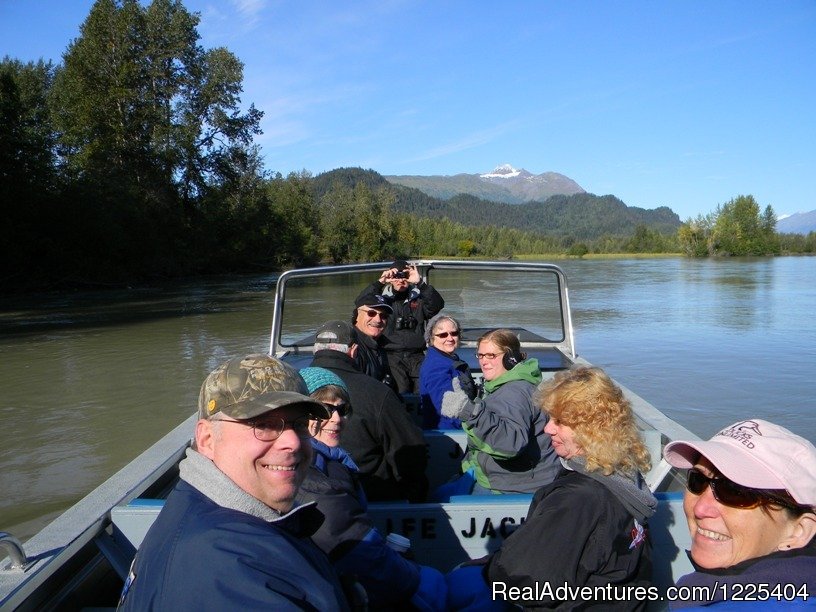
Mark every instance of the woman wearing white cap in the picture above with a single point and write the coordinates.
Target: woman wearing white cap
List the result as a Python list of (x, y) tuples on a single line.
[(750, 503)]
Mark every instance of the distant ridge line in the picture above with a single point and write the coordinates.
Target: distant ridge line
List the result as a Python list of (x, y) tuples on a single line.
[(504, 183)]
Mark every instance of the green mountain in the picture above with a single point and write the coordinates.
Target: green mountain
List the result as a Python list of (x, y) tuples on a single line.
[(503, 184), (584, 216)]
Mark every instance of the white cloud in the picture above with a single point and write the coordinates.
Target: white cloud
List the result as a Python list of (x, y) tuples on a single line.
[(476, 139), (249, 11), (222, 23)]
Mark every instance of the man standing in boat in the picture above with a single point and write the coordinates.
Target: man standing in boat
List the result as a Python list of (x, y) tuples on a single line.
[(414, 302), (230, 535)]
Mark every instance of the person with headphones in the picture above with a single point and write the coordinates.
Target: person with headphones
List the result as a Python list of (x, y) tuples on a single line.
[(508, 450)]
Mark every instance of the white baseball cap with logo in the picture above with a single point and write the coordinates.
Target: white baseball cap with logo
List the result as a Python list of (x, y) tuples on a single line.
[(756, 454)]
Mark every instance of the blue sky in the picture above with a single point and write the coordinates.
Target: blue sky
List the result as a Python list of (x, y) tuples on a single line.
[(686, 104)]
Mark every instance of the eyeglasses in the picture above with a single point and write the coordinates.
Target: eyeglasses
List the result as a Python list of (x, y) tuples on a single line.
[(269, 429), (729, 493), (344, 410), (488, 356), (376, 313), (443, 335)]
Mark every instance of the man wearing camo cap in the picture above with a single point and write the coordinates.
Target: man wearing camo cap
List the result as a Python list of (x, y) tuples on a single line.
[(230, 535)]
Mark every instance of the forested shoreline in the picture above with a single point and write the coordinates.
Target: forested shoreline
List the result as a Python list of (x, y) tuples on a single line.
[(134, 159)]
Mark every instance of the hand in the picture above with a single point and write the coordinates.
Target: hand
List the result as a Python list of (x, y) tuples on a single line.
[(413, 275), (467, 384), (455, 403), (387, 275)]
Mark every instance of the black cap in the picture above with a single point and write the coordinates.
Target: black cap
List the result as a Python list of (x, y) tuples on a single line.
[(336, 332), (373, 300)]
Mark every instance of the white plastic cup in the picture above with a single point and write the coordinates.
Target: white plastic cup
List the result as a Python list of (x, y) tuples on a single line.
[(398, 543)]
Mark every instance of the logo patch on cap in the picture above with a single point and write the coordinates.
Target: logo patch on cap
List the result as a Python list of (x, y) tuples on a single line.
[(743, 432)]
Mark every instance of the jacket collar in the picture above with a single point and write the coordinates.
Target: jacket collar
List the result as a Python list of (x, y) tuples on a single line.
[(526, 370), (202, 474)]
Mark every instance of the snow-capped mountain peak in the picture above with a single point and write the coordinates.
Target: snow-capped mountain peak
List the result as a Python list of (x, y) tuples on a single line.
[(503, 171), (503, 184)]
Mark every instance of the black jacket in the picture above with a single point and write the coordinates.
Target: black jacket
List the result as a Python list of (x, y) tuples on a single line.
[(381, 436), (405, 329), (577, 532), (371, 358)]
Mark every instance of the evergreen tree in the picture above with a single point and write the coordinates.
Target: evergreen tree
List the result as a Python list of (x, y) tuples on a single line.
[(337, 224), (140, 101), (295, 219), (149, 123)]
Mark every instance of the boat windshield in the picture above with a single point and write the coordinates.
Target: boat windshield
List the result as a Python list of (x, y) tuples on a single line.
[(529, 299)]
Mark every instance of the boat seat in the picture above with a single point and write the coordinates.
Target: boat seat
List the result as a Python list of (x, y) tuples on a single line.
[(130, 524), (471, 526)]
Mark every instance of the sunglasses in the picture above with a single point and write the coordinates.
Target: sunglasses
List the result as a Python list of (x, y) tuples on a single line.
[(344, 410), (443, 335), (375, 313), (729, 493)]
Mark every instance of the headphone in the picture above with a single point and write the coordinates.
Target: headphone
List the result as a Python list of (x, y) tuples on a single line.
[(512, 358)]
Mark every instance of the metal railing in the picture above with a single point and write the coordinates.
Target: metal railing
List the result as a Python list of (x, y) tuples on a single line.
[(14, 549)]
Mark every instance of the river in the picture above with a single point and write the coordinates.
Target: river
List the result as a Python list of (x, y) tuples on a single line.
[(90, 379)]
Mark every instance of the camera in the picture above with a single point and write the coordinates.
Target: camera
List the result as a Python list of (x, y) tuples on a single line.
[(402, 274), (408, 322)]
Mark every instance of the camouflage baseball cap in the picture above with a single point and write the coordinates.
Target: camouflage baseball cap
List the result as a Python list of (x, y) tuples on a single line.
[(246, 387)]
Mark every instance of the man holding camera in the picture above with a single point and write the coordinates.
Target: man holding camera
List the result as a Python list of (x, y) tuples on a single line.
[(413, 302), (370, 318)]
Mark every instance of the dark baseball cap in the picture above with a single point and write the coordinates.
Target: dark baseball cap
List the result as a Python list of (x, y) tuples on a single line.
[(336, 332), (246, 387), (373, 300), (399, 264)]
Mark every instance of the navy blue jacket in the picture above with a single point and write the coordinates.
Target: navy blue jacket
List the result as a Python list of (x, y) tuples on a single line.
[(788, 578), (435, 377), (198, 555)]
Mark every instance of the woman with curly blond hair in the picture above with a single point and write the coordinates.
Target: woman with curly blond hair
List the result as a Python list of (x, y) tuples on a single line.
[(588, 527), (590, 413)]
